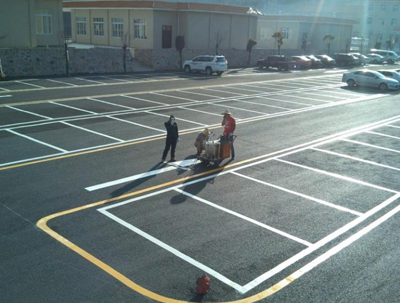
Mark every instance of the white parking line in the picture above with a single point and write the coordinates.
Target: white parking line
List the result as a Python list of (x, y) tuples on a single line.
[(93, 81), (261, 104), (37, 141), (177, 118), (5, 96), (174, 97), (285, 101), (240, 109), (354, 158), (5, 89), (134, 123), (62, 82), (265, 226), (383, 135), (120, 80), (73, 107), (28, 112), (110, 103), (30, 84), (337, 176), (225, 92), (372, 145), (200, 94), (200, 111), (393, 126), (91, 131), (331, 205), (145, 100)]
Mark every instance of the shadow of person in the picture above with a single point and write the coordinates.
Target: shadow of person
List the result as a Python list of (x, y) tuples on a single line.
[(128, 187)]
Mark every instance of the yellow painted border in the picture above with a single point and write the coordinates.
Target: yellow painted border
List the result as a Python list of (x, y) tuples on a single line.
[(42, 224)]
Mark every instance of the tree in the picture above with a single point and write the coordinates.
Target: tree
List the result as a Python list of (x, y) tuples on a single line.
[(219, 38), (328, 41), (250, 44), (390, 43), (124, 40), (304, 45), (278, 36), (378, 45), (180, 44)]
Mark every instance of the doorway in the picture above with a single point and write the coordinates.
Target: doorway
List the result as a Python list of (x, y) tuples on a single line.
[(166, 36)]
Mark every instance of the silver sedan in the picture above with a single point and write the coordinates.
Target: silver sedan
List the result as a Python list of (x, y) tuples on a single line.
[(390, 74), (371, 79)]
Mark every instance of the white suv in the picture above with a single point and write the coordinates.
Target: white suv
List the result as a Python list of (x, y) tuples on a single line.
[(207, 64)]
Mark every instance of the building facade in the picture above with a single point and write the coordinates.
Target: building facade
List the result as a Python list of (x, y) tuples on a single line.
[(156, 24), (31, 23)]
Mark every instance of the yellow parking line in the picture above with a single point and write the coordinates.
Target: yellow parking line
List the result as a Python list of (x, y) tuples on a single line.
[(42, 224)]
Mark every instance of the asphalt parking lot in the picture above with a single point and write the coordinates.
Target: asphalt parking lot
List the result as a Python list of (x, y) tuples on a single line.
[(305, 213)]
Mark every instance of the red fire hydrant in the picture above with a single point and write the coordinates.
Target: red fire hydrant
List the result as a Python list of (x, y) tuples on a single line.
[(203, 284)]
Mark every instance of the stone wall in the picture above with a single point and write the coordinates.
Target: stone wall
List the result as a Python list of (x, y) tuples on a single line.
[(168, 59), (51, 61)]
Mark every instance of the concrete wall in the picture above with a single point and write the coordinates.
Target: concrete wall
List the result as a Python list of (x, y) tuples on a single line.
[(46, 62), (164, 18)]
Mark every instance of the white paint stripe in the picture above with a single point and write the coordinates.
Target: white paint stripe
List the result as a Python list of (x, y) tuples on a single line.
[(240, 109), (137, 124), (355, 158), (6, 96), (92, 131), (320, 93), (383, 135), (176, 117), (30, 84), (331, 205), (174, 251), (116, 79), (131, 178), (93, 81), (5, 89), (246, 89), (393, 126), (225, 92), (110, 103), (35, 140), (62, 82), (265, 226), (285, 101), (31, 159), (200, 94), (334, 175), (145, 100), (372, 145), (28, 112), (199, 111), (266, 105), (319, 244), (174, 97), (72, 107)]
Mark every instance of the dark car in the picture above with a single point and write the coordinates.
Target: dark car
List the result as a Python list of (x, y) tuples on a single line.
[(302, 62), (279, 62), (344, 59), (326, 60), (315, 62)]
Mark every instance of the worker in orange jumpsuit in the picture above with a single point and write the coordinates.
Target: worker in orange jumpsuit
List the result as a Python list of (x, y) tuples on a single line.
[(229, 124)]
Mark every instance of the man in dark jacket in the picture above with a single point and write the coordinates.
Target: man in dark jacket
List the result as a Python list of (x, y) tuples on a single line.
[(172, 138)]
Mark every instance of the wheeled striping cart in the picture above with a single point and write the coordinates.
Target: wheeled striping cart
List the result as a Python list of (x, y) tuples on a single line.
[(217, 150)]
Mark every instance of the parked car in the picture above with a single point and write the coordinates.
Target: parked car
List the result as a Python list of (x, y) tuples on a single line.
[(207, 64), (344, 59), (279, 62), (302, 62), (371, 79), (361, 59), (326, 60), (315, 62), (375, 58), (390, 74), (388, 56)]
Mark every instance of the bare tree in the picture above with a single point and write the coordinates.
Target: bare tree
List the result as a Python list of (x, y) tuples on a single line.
[(278, 36), (219, 38), (124, 39), (328, 38)]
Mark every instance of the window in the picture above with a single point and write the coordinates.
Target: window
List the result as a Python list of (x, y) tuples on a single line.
[(371, 7), (81, 26), (383, 7), (117, 27), (44, 22), (139, 29), (369, 20), (394, 21), (98, 26), (395, 8), (285, 32), (382, 21)]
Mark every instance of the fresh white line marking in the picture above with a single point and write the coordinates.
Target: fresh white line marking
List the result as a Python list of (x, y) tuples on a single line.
[(285, 101), (355, 158), (261, 104), (5, 89), (30, 84), (116, 79), (134, 123), (92, 131), (265, 226), (246, 89), (110, 103), (372, 145), (338, 207), (6, 96), (320, 171), (93, 81), (174, 251), (72, 107), (321, 94), (173, 166), (37, 141), (225, 92), (200, 94), (383, 135), (62, 82), (174, 97), (238, 108), (145, 100), (162, 115), (393, 126), (321, 243), (28, 112), (199, 111)]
